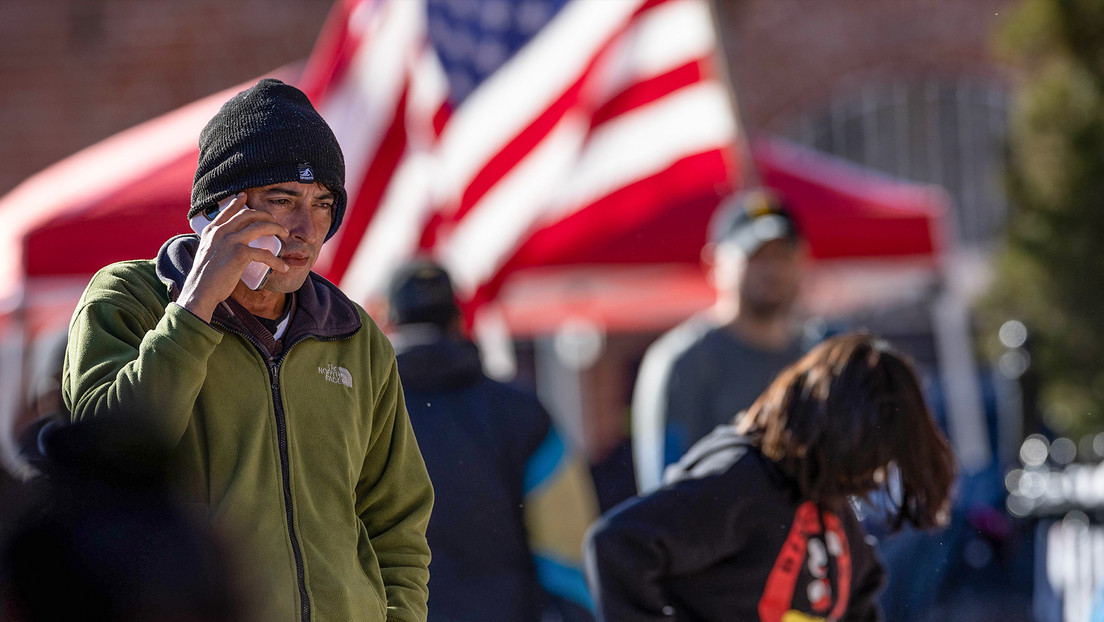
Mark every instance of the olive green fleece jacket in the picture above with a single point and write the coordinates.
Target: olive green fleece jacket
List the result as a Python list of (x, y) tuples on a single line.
[(306, 458)]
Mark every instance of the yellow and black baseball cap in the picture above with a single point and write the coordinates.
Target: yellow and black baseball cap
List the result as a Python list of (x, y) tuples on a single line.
[(750, 218)]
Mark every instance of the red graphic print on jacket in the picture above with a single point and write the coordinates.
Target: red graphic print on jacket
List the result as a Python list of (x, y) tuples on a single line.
[(811, 579)]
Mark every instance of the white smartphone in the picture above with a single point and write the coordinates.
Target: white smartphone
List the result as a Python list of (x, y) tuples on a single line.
[(256, 273)]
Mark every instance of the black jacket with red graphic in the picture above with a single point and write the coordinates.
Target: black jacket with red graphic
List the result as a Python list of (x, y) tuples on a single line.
[(726, 538)]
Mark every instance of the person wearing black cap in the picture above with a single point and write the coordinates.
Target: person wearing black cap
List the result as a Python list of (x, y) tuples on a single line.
[(704, 371), (513, 502), (282, 403)]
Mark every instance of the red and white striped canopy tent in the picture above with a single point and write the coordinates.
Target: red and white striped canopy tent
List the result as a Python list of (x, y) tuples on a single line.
[(62, 225)]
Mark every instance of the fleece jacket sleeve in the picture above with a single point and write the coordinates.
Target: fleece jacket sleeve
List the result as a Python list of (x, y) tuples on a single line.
[(130, 354), (395, 498)]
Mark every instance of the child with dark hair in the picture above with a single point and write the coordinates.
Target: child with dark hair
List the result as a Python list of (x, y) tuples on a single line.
[(754, 522)]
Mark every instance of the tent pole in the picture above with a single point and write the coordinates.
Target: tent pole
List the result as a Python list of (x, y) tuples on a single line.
[(749, 175)]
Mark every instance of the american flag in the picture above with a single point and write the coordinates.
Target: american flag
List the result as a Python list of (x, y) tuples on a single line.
[(498, 135)]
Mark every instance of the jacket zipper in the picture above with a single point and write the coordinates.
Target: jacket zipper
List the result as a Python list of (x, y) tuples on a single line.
[(285, 473), (285, 465)]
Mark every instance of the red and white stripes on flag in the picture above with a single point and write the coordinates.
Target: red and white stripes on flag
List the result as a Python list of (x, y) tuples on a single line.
[(612, 113)]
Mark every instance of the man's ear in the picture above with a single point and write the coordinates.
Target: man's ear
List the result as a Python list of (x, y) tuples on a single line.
[(708, 255), (709, 263), (723, 264)]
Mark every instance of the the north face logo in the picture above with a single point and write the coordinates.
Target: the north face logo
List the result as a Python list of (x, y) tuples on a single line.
[(305, 173), (336, 375)]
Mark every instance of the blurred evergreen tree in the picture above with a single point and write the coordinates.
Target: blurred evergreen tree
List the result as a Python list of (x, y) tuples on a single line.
[(1050, 272)]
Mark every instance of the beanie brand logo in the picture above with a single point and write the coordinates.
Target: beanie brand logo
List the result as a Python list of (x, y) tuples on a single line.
[(337, 375), (305, 173)]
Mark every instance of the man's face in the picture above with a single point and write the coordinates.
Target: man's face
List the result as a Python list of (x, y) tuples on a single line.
[(772, 278), (306, 210)]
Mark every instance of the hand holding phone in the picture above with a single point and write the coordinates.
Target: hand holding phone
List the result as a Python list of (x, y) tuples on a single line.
[(256, 273)]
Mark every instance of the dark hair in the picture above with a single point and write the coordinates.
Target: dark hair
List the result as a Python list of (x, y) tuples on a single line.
[(842, 419)]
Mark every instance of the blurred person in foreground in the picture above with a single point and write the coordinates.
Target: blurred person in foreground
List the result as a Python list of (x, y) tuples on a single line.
[(513, 502), (755, 521), (100, 534), (282, 404), (702, 372)]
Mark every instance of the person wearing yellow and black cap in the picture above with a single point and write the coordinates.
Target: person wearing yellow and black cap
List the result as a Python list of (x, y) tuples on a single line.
[(280, 396), (704, 371)]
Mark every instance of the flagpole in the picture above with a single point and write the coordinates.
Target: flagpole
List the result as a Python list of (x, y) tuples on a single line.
[(749, 175)]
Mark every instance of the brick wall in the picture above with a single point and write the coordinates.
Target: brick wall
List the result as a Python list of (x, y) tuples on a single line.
[(791, 56), (76, 71)]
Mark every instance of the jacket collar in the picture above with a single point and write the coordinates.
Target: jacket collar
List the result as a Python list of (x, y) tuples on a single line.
[(432, 360), (322, 310)]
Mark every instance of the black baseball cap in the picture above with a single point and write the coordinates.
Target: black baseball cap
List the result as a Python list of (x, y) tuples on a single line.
[(751, 218), (421, 292)]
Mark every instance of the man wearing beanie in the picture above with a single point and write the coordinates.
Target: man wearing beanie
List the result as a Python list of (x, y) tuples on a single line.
[(283, 403)]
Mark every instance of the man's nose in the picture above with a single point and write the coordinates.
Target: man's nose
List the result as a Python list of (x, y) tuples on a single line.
[(299, 224)]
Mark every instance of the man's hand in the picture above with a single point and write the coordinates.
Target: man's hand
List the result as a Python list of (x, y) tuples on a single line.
[(223, 254)]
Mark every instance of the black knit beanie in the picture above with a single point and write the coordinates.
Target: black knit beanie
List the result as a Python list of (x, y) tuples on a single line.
[(268, 134)]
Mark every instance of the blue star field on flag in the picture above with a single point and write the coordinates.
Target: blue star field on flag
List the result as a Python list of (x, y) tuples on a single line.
[(473, 38)]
